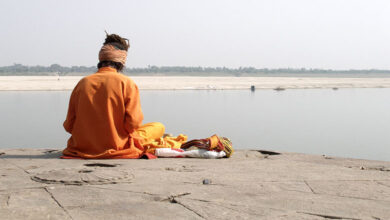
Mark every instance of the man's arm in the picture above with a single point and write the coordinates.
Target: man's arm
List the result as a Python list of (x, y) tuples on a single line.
[(71, 115), (134, 115)]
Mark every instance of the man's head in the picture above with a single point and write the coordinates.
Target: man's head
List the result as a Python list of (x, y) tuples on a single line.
[(114, 52)]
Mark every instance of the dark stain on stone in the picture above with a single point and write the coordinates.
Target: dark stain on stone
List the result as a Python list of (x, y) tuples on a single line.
[(8, 199), (266, 152), (100, 165), (379, 168), (183, 169), (85, 171), (329, 216), (172, 200), (376, 168), (51, 151)]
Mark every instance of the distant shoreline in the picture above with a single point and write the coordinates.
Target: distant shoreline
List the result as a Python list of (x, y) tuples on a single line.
[(59, 83), (214, 74), (56, 69)]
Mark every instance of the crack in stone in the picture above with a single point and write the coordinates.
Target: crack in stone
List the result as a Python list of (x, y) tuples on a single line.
[(171, 198), (229, 206), (329, 216), (351, 197), (188, 208), (270, 208), (153, 194), (307, 184), (339, 180), (382, 184), (17, 166), (266, 207), (21, 189), (84, 176), (121, 190), (321, 180), (211, 184), (379, 168), (354, 197), (8, 198), (235, 205), (203, 200), (58, 203)]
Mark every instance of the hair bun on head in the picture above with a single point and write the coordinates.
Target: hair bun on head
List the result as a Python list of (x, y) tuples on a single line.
[(117, 41)]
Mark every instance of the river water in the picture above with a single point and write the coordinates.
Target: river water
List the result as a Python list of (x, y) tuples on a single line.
[(346, 122)]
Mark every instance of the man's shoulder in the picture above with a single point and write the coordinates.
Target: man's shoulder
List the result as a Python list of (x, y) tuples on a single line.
[(123, 77), (126, 79), (94, 76), (116, 78)]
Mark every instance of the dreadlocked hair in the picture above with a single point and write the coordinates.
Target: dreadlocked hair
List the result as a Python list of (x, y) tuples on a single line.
[(119, 43)]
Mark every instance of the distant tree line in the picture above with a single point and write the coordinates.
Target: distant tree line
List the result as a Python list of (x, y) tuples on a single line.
[(56, 69)]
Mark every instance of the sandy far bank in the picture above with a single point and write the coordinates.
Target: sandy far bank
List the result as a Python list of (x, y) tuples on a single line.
[(12, 83)]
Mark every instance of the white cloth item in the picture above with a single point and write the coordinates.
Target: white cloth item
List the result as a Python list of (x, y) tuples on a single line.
[(167, 152), (199, 153)]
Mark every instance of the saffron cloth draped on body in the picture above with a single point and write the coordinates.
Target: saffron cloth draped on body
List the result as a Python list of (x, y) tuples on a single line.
[(105, 120)]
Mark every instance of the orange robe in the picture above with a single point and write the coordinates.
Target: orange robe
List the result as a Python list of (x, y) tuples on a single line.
[(105, 120)]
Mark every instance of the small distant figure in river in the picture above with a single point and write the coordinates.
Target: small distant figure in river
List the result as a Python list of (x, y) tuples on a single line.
[(104, 115)]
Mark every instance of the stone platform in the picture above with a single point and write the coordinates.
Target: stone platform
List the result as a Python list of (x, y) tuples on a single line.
[(35, 184)]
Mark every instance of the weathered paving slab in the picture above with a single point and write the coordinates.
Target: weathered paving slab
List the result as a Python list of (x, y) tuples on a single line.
[(35, 184), (30, 204)]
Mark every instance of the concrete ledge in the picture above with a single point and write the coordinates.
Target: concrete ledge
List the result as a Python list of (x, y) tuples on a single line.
[(35, 184)]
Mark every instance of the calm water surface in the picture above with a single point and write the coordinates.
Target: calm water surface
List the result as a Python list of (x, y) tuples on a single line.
[(346, 122)]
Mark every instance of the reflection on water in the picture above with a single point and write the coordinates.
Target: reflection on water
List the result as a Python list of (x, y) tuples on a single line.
[(347, 122)]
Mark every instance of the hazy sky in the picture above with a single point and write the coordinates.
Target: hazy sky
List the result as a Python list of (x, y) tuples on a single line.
[(338, 34)]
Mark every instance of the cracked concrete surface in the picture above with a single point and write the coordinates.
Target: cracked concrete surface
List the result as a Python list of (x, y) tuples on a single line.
[(250, 185)]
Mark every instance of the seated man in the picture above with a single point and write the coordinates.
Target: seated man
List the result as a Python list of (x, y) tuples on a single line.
[(105, 116)]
